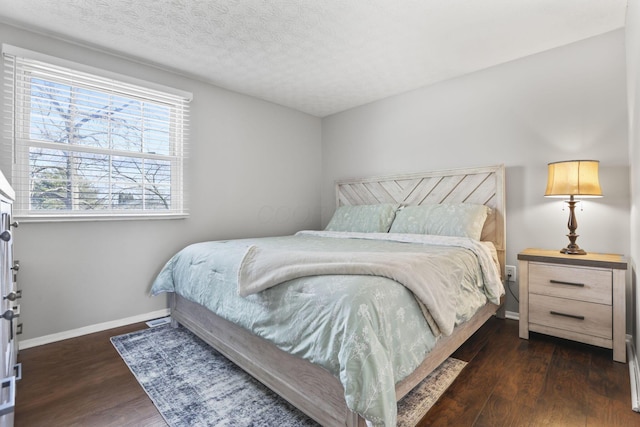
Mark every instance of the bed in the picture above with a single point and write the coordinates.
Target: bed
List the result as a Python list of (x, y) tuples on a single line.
[(308, 381)]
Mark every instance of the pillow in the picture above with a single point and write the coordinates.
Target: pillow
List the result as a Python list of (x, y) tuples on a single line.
[(363, 218), (455, 219)]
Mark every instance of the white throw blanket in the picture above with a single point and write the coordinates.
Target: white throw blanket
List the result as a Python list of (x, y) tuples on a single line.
[(262, 268)]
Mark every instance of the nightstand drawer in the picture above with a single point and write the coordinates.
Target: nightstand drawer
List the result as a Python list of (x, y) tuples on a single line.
[(584, 318), (576, 283)]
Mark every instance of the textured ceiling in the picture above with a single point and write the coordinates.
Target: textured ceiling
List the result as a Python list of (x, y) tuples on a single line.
[(319, 56)]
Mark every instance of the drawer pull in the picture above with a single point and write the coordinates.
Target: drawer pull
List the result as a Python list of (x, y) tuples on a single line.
[(560, 282), (12, 296), (573, 316), (9, 406), (17, 368)]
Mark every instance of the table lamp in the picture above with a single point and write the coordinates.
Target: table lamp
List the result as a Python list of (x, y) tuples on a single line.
[(573, 179)]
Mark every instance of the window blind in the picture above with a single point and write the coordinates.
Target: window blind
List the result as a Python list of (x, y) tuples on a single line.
[(90, 145)]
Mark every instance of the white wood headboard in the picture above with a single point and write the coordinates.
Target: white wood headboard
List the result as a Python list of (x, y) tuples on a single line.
[(481, 185)]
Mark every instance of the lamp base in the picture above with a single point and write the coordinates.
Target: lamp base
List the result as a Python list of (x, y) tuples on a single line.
[(572, 248), (569, 250)]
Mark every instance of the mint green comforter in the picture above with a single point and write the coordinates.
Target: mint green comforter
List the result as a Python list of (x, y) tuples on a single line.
[(368, 331)]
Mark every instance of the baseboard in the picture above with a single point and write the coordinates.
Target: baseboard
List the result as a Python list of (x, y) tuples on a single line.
[(513, 315), (634, 374), (48, 339)]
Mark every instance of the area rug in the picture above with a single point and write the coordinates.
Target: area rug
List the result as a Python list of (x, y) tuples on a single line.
[(191, 384)]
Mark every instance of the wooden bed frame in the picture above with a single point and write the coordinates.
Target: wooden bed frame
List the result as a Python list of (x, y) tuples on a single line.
[(311, 388)]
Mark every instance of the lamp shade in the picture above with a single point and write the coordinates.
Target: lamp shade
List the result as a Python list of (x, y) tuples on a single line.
[(573, 178)]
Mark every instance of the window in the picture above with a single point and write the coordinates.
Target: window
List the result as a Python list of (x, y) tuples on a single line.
[(93, 144)]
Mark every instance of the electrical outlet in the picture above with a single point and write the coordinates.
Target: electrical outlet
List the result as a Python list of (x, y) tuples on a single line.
[(510, 271)]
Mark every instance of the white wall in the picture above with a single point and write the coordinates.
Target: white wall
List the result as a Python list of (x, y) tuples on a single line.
[(562, 104), (253, 170), (633, 93)]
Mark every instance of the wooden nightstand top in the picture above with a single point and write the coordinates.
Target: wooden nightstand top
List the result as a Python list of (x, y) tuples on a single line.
[(591, 259)]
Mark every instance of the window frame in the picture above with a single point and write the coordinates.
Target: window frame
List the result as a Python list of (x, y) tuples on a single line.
[(112, 84)]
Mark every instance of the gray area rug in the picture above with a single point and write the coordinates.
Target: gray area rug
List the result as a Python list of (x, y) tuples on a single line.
[(191, 384)]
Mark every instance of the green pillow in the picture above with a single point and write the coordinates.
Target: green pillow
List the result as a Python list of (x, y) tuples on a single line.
[(363, 218), (446, 219)]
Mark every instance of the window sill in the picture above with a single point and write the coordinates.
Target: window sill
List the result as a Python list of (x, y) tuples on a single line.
[(106, 217)]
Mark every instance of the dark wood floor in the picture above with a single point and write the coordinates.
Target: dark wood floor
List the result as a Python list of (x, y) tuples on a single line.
[(508, 382)]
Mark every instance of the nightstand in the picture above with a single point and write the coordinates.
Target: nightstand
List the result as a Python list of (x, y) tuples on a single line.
[(576, 297)]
